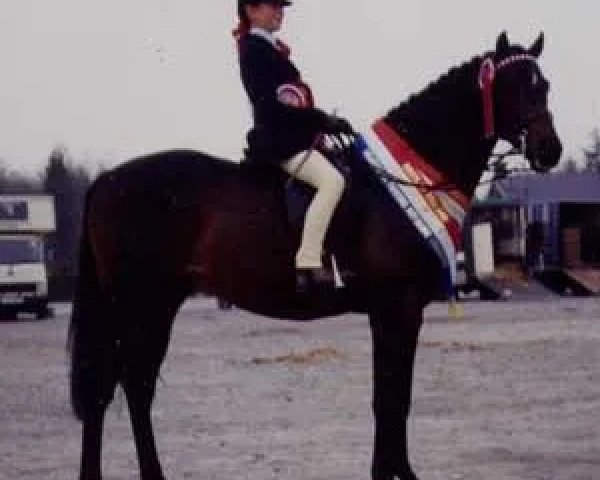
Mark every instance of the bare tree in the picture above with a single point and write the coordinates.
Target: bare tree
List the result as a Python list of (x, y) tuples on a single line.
[(570, 165), (13, 182), (67, 183), (592, 154)]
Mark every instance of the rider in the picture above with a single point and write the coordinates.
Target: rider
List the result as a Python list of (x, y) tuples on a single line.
[(288, 127)]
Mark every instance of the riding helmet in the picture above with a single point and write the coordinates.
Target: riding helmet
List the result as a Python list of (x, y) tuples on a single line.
[(283, 3)]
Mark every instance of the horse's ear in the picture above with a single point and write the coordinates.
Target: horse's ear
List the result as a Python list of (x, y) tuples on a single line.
[(538, 46), (502, 44)]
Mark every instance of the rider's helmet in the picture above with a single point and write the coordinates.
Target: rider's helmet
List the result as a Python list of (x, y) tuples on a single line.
[(242, 3)]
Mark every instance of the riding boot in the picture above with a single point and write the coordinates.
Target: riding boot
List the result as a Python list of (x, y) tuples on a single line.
[(313, 279), (321, 279)]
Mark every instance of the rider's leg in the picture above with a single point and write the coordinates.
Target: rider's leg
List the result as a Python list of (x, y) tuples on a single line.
[(318, 172)]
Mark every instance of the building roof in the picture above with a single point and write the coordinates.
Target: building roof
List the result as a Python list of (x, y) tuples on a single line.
[(577, 187)]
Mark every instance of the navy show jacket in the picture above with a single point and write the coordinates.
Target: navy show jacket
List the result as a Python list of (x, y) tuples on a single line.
[(280, 131)]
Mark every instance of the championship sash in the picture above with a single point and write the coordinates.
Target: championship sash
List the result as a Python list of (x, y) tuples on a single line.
[(437, 215)]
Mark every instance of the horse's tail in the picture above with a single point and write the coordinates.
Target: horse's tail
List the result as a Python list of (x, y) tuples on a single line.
[(82, 339)]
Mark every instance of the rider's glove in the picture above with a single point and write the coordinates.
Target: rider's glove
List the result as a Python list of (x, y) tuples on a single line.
[(334, 124)]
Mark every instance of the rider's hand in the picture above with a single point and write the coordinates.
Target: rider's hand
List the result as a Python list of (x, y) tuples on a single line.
[(334, 124)]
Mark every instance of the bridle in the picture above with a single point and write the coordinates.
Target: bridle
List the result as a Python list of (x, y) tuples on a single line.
[(488, 71), (487, 75)]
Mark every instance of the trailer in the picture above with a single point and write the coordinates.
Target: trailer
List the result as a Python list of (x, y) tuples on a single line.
[(496, 268), (25, 223)]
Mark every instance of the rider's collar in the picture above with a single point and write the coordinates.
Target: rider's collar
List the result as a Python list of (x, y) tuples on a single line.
[(268, 36)]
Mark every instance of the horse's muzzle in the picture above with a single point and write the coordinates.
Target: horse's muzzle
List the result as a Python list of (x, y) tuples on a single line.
[(545, 155), (543, 147)]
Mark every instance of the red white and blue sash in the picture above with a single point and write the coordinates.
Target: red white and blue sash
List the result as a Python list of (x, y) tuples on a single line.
[(437, 215)]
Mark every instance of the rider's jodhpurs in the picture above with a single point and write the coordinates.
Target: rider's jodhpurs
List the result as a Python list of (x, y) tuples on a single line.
[(314, 169)]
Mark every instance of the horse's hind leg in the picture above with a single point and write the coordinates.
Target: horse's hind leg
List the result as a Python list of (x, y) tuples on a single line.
[(92, 416), (145, 346), (139, 399), (92, 444), (94, 378)]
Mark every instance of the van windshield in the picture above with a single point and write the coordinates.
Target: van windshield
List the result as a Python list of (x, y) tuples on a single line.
[(20, 251)]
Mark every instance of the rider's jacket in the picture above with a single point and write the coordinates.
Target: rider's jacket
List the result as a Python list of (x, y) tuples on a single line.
[(285, 119)]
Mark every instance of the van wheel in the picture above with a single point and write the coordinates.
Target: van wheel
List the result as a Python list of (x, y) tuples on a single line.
[(8, 314), (43, 312)]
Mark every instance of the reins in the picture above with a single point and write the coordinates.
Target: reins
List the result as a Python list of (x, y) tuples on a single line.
[(496, 165)]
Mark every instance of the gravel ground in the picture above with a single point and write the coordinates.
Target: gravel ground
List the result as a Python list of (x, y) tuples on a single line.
[(509, 391)]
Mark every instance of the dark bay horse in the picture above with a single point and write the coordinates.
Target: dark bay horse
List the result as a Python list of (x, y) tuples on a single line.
[(161, 227)]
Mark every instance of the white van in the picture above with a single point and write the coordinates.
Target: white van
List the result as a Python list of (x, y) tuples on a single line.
[(25, 220)]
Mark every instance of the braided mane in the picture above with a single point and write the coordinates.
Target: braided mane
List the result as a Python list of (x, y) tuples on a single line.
[(443, 122), (440, 98)]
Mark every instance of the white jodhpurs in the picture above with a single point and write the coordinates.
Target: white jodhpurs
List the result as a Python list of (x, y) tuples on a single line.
[(329, 183)]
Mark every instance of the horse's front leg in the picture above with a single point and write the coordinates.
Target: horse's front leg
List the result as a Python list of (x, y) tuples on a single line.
[(395, 329)]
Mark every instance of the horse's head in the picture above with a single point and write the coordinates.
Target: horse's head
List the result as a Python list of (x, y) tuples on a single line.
[(520, 102)]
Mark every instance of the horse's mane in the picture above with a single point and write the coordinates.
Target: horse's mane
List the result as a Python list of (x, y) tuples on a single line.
[(438, 99), (439, 102), (442, 121)]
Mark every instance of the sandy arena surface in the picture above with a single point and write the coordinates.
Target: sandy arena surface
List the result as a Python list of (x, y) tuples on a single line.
[(509, 391)]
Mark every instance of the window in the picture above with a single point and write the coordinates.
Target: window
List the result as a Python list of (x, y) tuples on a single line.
[(20, 251)]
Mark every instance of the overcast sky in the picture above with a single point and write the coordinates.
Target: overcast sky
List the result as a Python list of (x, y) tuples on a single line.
[(111, 79)]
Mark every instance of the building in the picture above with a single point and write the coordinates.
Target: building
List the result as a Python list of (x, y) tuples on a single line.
[(547, 223), (567, 206)]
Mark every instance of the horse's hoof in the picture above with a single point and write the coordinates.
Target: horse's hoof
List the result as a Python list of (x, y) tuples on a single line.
[(407, 474)]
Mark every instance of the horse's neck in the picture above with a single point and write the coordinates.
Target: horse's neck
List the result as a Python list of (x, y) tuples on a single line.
[(445, 126)]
